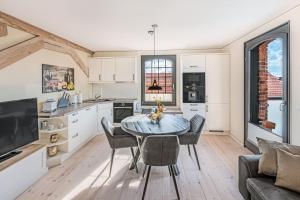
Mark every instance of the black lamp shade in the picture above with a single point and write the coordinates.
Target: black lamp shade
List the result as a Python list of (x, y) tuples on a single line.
[(154, 86)]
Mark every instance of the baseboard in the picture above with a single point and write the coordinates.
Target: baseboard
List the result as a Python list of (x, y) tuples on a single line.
[(235, 139), (215, 133)]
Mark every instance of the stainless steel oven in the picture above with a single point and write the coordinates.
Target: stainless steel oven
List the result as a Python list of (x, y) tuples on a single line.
[(122, 110)]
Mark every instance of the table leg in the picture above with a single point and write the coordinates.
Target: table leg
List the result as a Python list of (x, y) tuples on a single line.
[(136, 158)]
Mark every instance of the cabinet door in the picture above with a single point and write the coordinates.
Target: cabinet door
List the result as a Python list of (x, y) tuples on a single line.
[(125, 69), (104, 110), (217, 117), (88, 123), (190, 109), (217, 78), (107, 69), (94, 70), (193, 63), (73, 130)]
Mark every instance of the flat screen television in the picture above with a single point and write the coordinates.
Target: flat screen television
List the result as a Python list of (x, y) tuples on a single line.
[(18, 124)]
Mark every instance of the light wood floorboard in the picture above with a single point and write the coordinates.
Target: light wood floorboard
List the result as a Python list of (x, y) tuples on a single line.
[(84, 176)]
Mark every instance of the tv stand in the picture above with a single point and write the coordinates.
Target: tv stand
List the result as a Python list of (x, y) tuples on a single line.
[(22, 169), (10, 155)]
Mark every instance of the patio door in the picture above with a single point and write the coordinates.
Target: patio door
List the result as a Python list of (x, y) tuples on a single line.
[(266, 87)]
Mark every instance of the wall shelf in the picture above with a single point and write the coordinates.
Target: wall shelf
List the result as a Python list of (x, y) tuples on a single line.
[(47, 142)]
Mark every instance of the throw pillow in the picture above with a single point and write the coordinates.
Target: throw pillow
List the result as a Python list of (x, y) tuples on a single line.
[(288, 175)]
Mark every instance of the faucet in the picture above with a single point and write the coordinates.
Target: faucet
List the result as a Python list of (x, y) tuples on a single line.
[(97, 96)]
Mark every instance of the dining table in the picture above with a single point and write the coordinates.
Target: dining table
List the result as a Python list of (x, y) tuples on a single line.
[(142, 126)]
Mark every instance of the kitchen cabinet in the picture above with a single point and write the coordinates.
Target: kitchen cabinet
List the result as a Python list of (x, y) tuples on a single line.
[(88, 123), (190, 109), (125, 69), (82, 126), (104, 110), (107, 70), (94, 70), (193, 63), (217, 78), (112, 69), (217, 117)]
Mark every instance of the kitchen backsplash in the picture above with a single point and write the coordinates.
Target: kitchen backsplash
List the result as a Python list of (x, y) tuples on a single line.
[(116, 90)]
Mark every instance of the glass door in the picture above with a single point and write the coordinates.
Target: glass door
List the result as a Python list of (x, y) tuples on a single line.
[(266, 87)]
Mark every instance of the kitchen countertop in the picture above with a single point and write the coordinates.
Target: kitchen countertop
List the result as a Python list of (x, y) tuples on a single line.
[(74, 108)]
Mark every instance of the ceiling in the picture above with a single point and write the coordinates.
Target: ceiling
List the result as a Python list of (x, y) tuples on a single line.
[(122, 25)]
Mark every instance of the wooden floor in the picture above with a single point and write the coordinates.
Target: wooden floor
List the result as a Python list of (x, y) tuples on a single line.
[(84, 175)]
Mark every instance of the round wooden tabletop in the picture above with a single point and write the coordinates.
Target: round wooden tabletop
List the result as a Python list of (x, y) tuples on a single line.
[(141, 125)]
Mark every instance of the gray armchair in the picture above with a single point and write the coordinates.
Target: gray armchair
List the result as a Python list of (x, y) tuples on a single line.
[(192, 137), (160, 151), (117, 138), (254, 186)]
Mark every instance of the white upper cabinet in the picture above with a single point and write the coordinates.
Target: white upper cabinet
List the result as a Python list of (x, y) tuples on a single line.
[(217, 78), (94, 70), (107, 70), (125, 69), (113, 69), (193, 63)]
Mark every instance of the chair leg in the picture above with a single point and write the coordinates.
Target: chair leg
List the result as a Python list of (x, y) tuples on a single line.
[(135, 165), (146, 183), (111, 161), (189, 150), (174, 180), (145, 169), (195, 151)]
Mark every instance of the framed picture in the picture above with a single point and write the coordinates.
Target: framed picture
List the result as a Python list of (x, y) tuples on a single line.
[(56, 79)]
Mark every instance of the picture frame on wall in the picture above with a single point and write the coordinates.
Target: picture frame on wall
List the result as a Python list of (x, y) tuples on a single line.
[(57, 79)]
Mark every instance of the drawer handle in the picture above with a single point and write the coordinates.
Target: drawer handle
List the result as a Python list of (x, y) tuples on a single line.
[(194, 104), (193, 66), (193, 109), (76, 135), (74, 114), (75, 121), (88, 109)]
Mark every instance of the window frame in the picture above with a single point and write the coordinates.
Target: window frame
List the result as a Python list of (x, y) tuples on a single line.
[(174, 74), (280, 31)]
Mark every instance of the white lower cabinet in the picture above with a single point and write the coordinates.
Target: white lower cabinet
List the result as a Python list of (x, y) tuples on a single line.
[(21, 175), (104, 110), (217, 117), (82, 127), (190, 109)]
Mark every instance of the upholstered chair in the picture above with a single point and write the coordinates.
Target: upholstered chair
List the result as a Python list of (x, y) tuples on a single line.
[(117, 138), (192, 137), (160, 151)]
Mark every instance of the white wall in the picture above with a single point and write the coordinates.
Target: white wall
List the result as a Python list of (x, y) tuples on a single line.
[(134, 90), (236, 49), (23, 79)]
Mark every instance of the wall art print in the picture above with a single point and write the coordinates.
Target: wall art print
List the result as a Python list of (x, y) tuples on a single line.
[(56, 79)]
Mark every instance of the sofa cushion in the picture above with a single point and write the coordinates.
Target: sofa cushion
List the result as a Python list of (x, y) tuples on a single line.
[(288, 175), (268, 161), (264, 188)]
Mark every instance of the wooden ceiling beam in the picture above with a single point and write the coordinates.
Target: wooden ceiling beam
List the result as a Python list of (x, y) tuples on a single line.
[(19, 51), (3, 29), (71, 52), (14, 53), (24, 26)]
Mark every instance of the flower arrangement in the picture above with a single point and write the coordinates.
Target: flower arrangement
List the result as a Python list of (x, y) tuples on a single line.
[(156, 112)]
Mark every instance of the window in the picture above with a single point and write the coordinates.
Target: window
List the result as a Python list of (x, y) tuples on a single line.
[(266, 86), (161, 68)]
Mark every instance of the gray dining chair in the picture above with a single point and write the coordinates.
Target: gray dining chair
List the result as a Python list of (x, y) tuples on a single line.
[(117, 139), (192, 137), (160, 151)]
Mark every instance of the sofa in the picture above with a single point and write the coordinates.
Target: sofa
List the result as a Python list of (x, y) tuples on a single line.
[(254, 186)]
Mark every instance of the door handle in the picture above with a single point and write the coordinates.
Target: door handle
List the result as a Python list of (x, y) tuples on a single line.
[(133, 76), (206, 108), (281, 107), (193, 109), (99, 77)]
